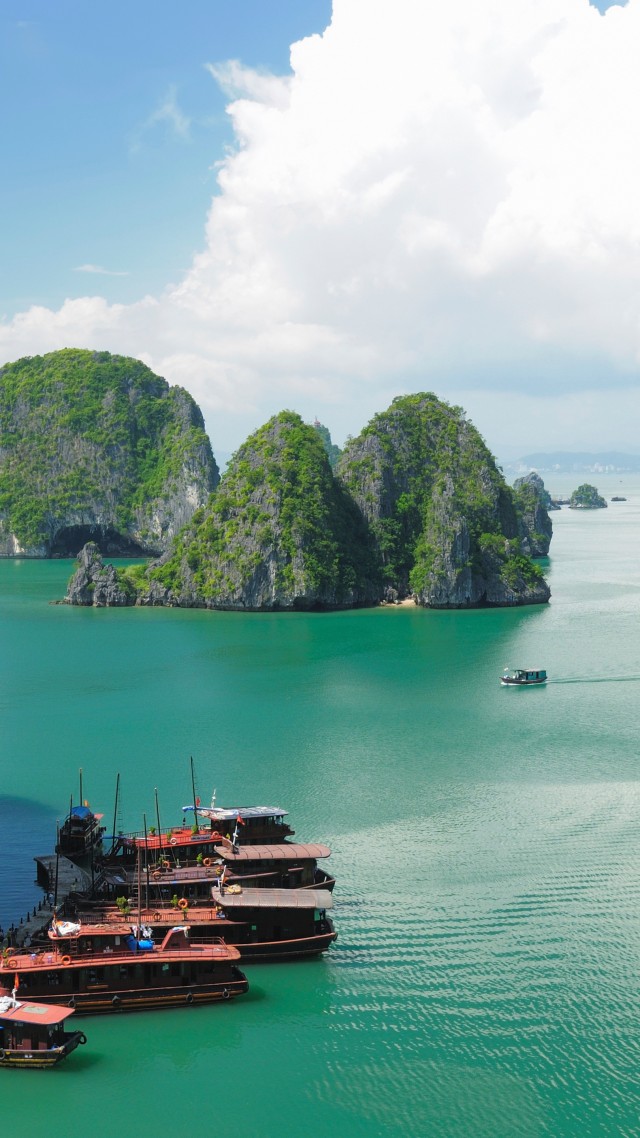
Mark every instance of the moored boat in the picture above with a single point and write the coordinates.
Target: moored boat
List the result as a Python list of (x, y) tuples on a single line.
[(104, 970), (263, 924), (33, 1035), (523, 677)]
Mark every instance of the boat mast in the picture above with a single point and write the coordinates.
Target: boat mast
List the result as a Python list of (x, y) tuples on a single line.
[(193, 791), (115, 813), (155, 791), (146, 861)]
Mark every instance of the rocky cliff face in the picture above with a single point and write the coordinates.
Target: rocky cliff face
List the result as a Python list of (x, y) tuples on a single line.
[(94, 583), (279, 533), (95, 446), (533, 502), (444, 522)]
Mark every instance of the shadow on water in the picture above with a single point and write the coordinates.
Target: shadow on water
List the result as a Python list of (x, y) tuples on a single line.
[(27, 829)]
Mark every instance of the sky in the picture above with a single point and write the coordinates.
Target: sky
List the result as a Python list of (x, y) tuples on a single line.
[(321, 206)]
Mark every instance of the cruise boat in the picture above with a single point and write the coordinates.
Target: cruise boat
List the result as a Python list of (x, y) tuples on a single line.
[(263, 924), (100, 969), (287, 865), (34, 1035), (523, 677)]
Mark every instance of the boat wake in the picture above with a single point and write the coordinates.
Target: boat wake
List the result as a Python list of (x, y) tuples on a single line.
[(596, 680)]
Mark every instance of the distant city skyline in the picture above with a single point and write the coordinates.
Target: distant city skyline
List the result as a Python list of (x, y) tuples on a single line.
[(322, 206)]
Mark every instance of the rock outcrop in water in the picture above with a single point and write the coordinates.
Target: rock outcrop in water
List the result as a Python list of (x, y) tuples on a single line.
[(418, 508), (94, 583), (280, 533), (534, 502), (444, 522), (586, 497), (95, 446)]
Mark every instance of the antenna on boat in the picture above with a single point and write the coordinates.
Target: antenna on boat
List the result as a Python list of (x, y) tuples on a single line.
[(81, 799)]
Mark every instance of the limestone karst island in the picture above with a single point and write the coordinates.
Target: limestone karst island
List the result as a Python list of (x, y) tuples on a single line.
[(99, 455)]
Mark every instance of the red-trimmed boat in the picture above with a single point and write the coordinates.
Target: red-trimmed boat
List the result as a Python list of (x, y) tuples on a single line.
[(263, 924), (95, 969), (33, 1036)]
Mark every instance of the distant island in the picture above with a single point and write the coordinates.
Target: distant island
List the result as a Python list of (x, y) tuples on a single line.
[(570, 462), (586, 497)]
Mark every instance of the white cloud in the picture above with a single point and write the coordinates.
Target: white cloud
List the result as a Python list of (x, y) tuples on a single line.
[(100, 271), (167, 114), (438, 196)]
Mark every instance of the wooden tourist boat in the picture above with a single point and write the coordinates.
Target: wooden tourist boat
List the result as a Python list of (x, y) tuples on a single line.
[(287, 865), (105, 970), (33, 1035), (263, 924), (523, 677), (250, 824)]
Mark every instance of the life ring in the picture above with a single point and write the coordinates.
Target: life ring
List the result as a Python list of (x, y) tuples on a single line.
[(116, 1002), (156, 875), (207, 862), (189, 997), (183, 903), (165, 863), (156, 917), (225, 993), (2, 1055), (66, 960), (173, 841), (72, 1002), (12, 962), (82, 1039)]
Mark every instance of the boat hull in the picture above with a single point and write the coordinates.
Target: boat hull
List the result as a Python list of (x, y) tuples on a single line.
[(146, 999), (40, 1060)]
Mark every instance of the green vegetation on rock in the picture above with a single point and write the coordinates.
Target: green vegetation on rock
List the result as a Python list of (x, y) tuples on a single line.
[(444, 521), (279, 532), (93, 443), (586, 497)]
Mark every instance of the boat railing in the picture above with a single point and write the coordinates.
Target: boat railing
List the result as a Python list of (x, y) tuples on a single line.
[(214, 946), (147, 915)]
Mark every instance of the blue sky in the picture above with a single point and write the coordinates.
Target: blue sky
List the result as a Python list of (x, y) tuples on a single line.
[(378, 196), (96, 172)]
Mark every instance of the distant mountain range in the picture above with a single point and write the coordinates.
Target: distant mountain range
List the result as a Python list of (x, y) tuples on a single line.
[(578, 462)]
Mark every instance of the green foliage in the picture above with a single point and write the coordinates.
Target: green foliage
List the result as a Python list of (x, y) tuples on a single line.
[(84, 430), (430, 488), (586, 497), (277, 503)]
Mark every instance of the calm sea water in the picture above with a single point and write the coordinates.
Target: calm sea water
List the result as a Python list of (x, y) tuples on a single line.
[(486, 979)]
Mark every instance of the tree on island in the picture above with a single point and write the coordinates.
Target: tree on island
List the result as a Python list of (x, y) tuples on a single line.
[(586, 497)]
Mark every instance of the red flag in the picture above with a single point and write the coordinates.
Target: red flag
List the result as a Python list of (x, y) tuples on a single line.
[(16, 981), (240, 821), (197, 801)]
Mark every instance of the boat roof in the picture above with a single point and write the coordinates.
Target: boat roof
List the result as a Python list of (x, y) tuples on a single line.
[(274, 899), (281, 851), (230, 813), (26, 1012)]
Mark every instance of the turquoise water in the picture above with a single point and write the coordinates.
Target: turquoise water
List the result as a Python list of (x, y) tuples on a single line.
[(486, 978)]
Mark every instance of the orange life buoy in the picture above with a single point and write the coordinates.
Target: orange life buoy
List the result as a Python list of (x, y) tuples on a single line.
[(156, 917), (12, 962), (165, 863), (66, 960), (173, 841), (183, 903), (207, 862), (156, 875)]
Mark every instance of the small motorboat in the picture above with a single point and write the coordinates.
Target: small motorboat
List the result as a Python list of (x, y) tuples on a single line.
[(33, 1035), (523, 677)]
